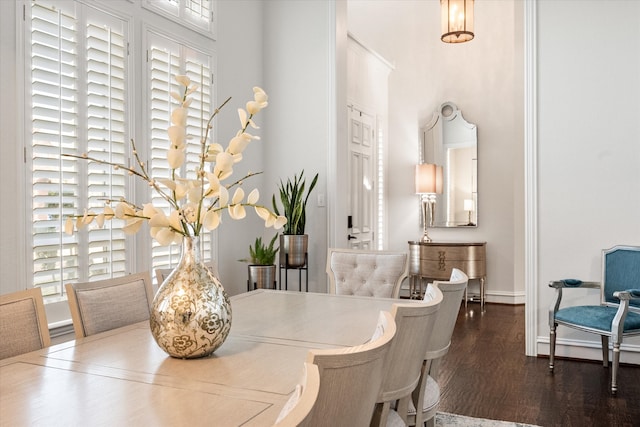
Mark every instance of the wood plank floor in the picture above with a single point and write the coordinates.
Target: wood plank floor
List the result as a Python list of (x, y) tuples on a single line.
[(487, 375)]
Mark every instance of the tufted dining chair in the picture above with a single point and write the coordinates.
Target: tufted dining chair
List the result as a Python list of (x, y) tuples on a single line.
[(108, 304), (366, 273), (618, 314), (23, 323), (427, 394)]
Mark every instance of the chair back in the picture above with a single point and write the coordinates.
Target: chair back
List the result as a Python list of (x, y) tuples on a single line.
[(452, 292), (108, 304), (403, 363), (350, 379), (366, 273), (23, 323), (297, 411), (620, 271), (163, 273)]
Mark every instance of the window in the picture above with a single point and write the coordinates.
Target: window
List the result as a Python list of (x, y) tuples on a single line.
[(194, 14), (167, 58), (77, 59)]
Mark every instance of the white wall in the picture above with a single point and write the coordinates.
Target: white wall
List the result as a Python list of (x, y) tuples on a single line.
[(484, 78), (588, 150), (299, 70)]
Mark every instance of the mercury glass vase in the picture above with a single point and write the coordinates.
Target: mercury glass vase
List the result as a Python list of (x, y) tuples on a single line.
[(191, 312)]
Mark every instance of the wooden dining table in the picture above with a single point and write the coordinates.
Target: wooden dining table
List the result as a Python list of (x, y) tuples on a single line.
[(122, 378)]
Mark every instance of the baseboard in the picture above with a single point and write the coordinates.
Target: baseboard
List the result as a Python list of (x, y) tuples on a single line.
[(502, 297), (589, 350)]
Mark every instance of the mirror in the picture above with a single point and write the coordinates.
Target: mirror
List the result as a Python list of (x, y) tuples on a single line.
[(450, 141)]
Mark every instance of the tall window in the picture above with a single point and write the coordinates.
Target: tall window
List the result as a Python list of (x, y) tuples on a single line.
[(78, 101), (166, 59)]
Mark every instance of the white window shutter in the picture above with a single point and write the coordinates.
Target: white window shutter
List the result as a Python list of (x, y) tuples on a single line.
[(78, 100), (166, 60)]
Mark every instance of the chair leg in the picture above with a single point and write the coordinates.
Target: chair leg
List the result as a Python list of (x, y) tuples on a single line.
[(605, 350), (552, 345), (380, 414), (614, 368)]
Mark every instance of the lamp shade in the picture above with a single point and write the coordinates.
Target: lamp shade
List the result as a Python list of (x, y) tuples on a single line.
[(428, 179), (468, 204), (457, 20)]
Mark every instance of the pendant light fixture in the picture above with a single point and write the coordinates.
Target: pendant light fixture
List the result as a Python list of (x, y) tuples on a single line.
[(457, 20)]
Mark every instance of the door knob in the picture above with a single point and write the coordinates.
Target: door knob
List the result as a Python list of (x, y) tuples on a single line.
[(349, 237)]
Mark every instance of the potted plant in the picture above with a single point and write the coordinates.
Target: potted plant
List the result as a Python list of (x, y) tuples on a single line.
[(294, 241), (262, 268)]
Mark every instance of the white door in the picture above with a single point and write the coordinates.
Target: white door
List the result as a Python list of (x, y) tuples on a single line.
[(362, 180)]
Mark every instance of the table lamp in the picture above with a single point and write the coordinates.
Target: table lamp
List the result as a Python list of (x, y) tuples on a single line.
[(468, 206), (428, 184)]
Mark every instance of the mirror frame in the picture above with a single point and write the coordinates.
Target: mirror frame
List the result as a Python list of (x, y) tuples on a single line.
[(446, 132)]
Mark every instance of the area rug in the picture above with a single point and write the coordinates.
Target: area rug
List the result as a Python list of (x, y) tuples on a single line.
[(444, 419)]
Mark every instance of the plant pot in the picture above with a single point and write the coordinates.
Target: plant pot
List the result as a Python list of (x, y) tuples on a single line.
[(261, 277), (293, 250)]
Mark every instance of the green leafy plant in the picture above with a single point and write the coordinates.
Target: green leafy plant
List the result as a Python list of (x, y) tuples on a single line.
[(261, 253), (294, 203)]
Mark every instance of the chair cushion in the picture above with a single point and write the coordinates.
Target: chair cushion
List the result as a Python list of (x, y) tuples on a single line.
[(19, 331), (431, 397), (394, 420), (367, 274), (596, 317), (112, 307)]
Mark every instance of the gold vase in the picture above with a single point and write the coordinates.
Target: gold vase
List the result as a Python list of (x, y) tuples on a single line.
[(191, 312)]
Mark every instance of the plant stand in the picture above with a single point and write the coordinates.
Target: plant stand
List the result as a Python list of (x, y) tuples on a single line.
[(287, 267)]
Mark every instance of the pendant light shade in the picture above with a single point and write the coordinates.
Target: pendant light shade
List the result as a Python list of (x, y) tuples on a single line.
[(457, 20)]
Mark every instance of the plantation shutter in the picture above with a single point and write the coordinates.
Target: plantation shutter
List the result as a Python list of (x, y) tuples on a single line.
[(54, 121), (166, 60), (77, 106), (107, 139)]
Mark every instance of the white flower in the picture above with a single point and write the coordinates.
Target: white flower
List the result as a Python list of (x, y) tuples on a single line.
[(195, 203)]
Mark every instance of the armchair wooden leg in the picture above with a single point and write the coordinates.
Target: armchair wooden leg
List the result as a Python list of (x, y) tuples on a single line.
[(552, 345), (614, 368), (605, 350)]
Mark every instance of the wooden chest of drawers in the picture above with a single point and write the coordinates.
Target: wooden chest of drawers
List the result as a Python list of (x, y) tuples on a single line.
[(435, 260)]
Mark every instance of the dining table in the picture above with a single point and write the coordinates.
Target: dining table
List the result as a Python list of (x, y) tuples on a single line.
[(122, 378)]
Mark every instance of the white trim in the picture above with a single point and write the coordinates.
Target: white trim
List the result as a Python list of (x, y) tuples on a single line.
[(589, 350), (530, 180)]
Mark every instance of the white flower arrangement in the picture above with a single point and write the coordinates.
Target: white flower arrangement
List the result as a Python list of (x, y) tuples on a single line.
[(196, 204)]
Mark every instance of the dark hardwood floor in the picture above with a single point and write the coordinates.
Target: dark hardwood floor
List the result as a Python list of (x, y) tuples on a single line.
[(486, 374)]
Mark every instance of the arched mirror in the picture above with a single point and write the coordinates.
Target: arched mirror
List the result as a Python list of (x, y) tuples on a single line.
[(448, 140)]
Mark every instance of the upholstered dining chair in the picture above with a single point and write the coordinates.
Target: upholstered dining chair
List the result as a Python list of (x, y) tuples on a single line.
[(350, 379), (108, 304), (427, 394), (23, 323), (618, 314), (297, 410), (368, 273), (414, 328)]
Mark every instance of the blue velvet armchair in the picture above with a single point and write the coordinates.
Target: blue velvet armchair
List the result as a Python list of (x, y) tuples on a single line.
[(618, 314)]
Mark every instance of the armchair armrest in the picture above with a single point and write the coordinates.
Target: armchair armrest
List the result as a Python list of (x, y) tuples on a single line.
[(627, 295), (559, 285), (573, 283)]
